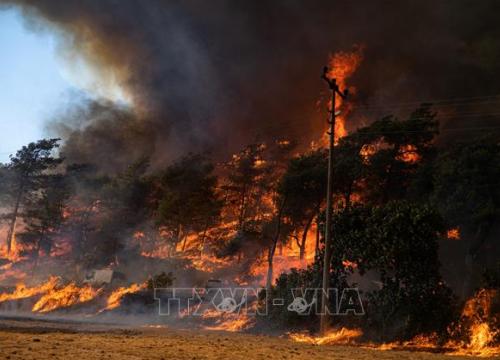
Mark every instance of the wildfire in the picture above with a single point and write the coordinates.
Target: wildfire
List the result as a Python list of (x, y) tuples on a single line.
[(453, 234), (481, 335), (116, 296), (341, 336), (367, 151), (22, 291), (349, 264), (209, 263), (7, 272), (409, 154), (232, 322), (15, 252), (342, 66), (66, 296), (287, 258)]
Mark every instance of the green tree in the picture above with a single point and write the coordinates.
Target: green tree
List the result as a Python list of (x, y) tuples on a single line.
[(27, 170), (398, 243), (251, 180), (468, 196), (303, 185), (245, 182), (392, 151), (188, 198), (43, 216), (83, 212)]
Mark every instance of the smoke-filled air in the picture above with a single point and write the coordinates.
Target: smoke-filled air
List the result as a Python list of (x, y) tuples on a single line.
[(281, 179)]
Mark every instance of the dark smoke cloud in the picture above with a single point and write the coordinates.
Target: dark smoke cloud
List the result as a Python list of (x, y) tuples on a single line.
[(213, 75)]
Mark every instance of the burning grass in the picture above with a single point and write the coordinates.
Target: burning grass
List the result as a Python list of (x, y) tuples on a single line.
[(63, 297), (114, 300), (341, 336), (22, 291), (227, 321), (471, 336)]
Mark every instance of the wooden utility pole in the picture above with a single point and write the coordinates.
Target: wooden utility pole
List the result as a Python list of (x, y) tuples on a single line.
[(332, 83)]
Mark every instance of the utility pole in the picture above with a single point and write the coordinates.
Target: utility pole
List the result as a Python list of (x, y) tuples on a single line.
[(332, 83)]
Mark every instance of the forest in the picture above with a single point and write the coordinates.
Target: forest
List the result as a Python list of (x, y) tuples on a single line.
[(416, 218)]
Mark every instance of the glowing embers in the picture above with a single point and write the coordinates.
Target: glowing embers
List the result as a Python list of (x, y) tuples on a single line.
[(453, 234)]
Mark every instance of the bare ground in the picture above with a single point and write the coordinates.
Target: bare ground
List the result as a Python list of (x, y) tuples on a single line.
[(35, 339)]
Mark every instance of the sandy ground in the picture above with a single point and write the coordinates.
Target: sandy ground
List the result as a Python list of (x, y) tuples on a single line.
[(32, 339)]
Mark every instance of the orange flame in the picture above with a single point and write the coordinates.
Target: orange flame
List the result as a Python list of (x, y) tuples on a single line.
[(453, 234), (116, 296), (22, 291), (349, 264), (341, 336), (481, 334), (232, 322), (66, 296), (341, 66), (15, 251), (409, 154)]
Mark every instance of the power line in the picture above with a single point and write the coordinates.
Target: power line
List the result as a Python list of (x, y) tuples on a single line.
[(484, 128), (452, 101)]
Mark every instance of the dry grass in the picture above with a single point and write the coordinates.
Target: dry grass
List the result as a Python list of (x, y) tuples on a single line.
[(49, 342)]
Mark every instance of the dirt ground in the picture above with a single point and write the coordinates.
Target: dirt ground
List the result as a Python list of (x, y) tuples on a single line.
[(32, 339)]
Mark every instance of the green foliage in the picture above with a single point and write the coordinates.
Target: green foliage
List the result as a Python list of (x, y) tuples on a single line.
[(162, 280), (491, 277), (465, 183), (187, 195), (35, 158), (26, 186), (285, 285), (399, 243), (303, 184), (394, 150)]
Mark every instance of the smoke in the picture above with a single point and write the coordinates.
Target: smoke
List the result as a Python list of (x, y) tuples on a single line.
[(213, 75)]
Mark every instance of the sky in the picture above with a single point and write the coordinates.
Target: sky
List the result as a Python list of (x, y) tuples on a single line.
[(34, 82)]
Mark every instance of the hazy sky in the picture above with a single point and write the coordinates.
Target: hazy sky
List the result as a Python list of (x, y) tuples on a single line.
[(30, 83), (34, 82)]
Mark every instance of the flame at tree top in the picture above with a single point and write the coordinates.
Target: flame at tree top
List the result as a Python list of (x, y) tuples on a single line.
[(341, 66)]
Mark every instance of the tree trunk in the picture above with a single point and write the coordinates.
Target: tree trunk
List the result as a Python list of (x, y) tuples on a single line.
[(176, 240), (472, 249), (241, 216), (304, 237), (348, 197), (317, 235), (185, 236), (203, 236), (272, 247), (12, 228), (37, 252), (318, 209)]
